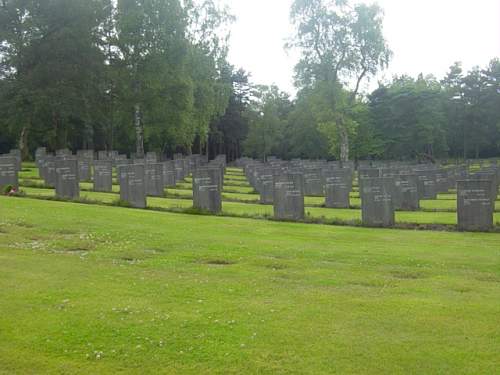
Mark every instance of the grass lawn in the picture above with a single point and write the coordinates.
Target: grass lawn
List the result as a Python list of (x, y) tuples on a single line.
[(94, 289)]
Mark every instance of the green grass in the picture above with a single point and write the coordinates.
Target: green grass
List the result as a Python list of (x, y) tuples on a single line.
[(252, 209), (94, 289)]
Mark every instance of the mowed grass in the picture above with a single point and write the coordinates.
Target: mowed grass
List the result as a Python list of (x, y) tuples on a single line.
[(258, 210), (95, 289)]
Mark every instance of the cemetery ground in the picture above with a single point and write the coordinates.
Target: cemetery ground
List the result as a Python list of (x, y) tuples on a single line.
[(88, 288)]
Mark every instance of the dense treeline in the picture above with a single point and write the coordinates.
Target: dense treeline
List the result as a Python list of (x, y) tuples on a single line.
[(420, 119), (104, 74), (148, 75)]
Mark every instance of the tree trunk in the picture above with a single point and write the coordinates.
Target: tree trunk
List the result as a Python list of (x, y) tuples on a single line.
[(139, 131), (23, 143), (344, 143)]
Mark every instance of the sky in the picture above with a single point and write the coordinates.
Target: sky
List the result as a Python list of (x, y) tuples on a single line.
[(426, 36)]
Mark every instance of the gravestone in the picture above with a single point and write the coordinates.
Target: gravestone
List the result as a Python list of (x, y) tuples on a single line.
[(49, 170), (169, 174), (8, 172), (313, 185), (426, 184), (288, 200), (337, 185), (151, 157), (84, 170), (207, 189), (442, 183), (266, 188), (407, 184), (64, 152), (67, 183), (179, 169), (16, 153), (154, 179), (40, 153), (132, 185), (377, 208), (474, 206), (102, 155), (103, 175)]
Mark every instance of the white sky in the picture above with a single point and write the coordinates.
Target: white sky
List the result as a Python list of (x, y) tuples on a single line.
[(426, 36)]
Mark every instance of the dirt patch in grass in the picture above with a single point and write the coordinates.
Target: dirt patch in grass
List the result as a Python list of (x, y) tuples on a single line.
[(488, 278), (23, 224), (218, 262), (79, 248), (66, 231), (408, 275), (276, 266)]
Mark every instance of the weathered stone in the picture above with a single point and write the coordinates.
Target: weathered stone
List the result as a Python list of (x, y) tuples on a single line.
[(426, 184), (179, 169), (207, 189), (288, 200), (8, 172), (16, 153), (474, 205), (313, 185), (103, 175), (266, 185), (377, 208), (151, 157), (84, 169), (407, 187), (169, 174), (337, 185), (67, 181), (132, 185), (154, 179), (49, 170)]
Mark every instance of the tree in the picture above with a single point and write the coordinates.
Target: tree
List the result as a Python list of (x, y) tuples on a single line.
[(338, 43), (268, 119)]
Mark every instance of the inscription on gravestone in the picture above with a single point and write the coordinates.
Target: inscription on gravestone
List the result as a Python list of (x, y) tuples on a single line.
[(154, 179), (408, 192), (474, 206), (377, 208), (288, 198), (8, 172), (103, 175), (169, 174), (67, 183), (132, 185), (426, 184), (84, 170), (266, 188), (312, 182), (207, 189), (337, 185)]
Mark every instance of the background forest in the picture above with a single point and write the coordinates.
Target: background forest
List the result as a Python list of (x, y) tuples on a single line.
[(150, 75)]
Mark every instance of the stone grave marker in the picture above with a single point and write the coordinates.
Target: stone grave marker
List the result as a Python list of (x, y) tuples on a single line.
[(288, 200), (103, 175), (474, 206), (154, 179), (67, 181), (377, 208), (169, 174), (132, 185), (8, 172), (337, 187), (207, 189)]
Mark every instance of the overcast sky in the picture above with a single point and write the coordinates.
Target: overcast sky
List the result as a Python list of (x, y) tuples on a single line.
[(426, 36)]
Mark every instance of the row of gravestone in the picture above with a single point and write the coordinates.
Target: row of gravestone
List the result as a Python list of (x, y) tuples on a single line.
[(382, 190), (138, 178)]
